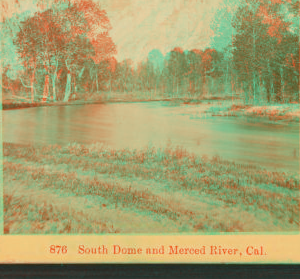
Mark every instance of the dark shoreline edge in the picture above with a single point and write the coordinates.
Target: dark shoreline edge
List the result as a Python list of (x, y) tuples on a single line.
[(11, 106)]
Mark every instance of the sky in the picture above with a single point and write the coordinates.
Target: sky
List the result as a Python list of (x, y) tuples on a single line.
[(139, 26)]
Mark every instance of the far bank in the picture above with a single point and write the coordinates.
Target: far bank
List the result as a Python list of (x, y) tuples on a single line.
[(215, 106)]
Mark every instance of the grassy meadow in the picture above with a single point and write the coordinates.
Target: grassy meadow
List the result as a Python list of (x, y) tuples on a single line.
[(98, 189)]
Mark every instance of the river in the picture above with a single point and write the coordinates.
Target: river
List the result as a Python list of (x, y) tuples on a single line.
[(135, 125)]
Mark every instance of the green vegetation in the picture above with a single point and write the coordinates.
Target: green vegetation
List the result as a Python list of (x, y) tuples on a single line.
[(149, 190), (25, 217), (60, 54)]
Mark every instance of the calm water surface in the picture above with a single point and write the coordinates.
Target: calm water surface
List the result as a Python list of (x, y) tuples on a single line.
[(135, 125)]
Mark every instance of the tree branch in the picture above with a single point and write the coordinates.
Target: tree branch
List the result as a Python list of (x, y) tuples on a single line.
[(24, 84)]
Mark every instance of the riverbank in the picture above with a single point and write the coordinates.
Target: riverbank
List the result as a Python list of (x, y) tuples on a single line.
[(23, 105), (215, 106), (272, 112), (9, 105), (98, 189)]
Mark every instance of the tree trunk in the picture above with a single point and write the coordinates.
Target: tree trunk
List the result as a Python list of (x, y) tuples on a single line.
[(254, 87), (97, 82), (68, 88), (204, 81), (282, 83), (75, 88), (110, 82), (268, 84), (92, 89), (53, 87), (173, 84), (272, 88), (268, 89), (46, 88), (54, 76), (193, 86), (32, 84), (212, 86), (232, 87)]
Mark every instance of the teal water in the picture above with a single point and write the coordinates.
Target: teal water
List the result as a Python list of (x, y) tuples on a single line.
[(135, 125)]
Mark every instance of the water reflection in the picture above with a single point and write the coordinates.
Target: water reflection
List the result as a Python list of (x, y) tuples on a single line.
[(135, 125)]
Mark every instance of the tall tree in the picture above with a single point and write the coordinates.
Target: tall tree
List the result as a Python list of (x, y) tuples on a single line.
[(262, 46), (66, 37)]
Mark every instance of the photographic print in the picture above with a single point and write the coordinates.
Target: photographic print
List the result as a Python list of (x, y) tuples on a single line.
[(163, 117)]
